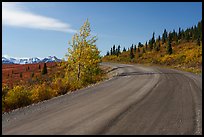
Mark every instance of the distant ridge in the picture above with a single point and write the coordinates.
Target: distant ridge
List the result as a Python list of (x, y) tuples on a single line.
[(29, 60)]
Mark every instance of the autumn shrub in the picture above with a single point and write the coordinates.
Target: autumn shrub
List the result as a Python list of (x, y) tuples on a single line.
[(5, 90), (193, 55), (75, 83), (60, 86), (42, 92), (180, 58), (17, 97)]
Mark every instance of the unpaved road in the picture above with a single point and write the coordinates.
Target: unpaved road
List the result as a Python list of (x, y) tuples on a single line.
[(139, 100)]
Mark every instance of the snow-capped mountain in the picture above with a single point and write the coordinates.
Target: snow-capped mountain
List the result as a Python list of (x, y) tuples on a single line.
[(29, 60), (6, 61), (51, 59)]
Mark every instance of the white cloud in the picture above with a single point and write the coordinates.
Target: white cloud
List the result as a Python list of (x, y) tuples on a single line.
[(15, 14)]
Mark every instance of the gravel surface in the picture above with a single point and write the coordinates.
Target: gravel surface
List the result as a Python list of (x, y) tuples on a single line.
[(136, 100)]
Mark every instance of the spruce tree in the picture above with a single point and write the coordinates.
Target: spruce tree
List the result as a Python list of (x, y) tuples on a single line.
[(32, 74), (164, 36), (159, 38), (187, 36), (119, 49), (140, 45), (170, 36), (154, 46), (179, 33), (107, 54), (44, 71), (199, 28), (134, 48), (131, 52), (195, 33), (114, 52), (124, 49), (198, 41), (138, 49), (169, 48), (159, 46), (153, 39), (150, 45), (146, 45)]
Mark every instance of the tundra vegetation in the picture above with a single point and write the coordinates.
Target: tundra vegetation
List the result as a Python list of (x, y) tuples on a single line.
[(80, 69), (181, 50)]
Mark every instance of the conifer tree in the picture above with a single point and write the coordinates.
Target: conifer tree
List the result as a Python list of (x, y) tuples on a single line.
[(138, 49), (124, 49), (140, 44), (154, 45), (146, 45), (114, 51), (131, 52), (179, 33), (134, 48), (32, 74), (44, 71), (198, 41), (111, 52), (164, 36), (107, 54), (159, 38), (169, 48), (119, 49), (150, 45), (153, 39)]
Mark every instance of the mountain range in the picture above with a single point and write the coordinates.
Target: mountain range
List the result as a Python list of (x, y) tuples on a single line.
[(29, 60)]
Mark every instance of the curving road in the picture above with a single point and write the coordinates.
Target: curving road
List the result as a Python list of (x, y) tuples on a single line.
[(138, 100)]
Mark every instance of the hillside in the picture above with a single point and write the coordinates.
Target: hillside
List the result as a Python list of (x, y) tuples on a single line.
[(186, 56), (182, 50)]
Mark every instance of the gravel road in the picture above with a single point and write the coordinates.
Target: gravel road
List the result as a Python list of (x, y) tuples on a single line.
[(137, 100)]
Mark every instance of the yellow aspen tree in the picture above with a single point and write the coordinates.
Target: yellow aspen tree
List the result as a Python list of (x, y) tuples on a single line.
[(83, 56)]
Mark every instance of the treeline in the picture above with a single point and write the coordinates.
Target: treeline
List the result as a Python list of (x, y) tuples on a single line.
[(114, 51), (166, 40)]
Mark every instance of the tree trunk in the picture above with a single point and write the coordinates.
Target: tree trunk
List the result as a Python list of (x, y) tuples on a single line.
[(79, 71)]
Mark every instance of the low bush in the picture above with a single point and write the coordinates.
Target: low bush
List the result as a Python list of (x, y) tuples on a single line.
[(60, 86), (42, 92), (17, 97)]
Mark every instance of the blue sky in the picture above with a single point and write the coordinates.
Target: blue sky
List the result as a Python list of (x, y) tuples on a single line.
[(40, 29)]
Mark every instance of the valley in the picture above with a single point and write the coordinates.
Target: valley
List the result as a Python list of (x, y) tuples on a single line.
[(13, 74)]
